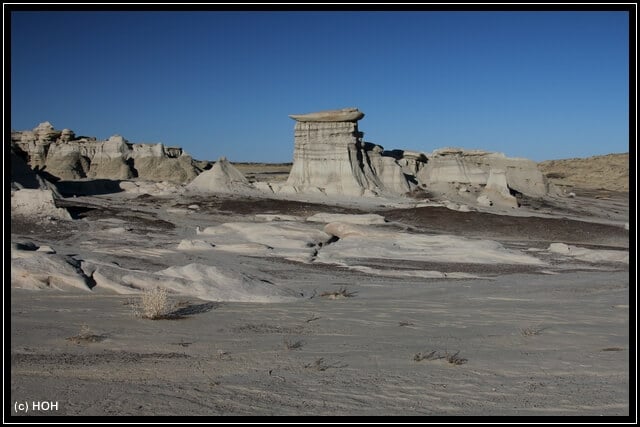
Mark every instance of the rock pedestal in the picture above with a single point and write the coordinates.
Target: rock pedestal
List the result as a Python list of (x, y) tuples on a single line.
[(330, 156)]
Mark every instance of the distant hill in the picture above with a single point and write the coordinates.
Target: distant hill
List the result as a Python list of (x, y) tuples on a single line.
[(608, 172)]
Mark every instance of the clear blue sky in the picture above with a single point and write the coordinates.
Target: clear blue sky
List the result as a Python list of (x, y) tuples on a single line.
[(540, 85)]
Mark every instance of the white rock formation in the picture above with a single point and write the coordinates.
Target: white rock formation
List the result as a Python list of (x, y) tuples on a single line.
[(213, 283), (358, 242), (473, 167), (63, 156), (450, 165), (330, 156), (296, 241), (589, 255), (36, 203), (386, 169), (32, 269), (412, 161), (496, 192), (363, 219), (223, 177), (110, 160)]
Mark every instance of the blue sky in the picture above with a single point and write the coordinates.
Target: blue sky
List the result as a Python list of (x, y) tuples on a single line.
[(540, 85)]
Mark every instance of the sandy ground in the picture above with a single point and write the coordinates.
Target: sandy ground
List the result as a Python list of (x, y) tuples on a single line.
[(513, 339)]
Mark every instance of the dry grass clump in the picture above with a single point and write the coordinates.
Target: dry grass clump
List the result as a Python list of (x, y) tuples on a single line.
[(312, 318), (86, 335), (320, 365), (293, 345), (531, 331), (454, 359), (341, 293), (154, 304)]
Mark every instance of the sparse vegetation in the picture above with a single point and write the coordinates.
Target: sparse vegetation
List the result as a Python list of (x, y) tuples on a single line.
[(312, 318), (531, 331), (154, 304), (430, 356), (86, 335), (341, 293), (454, 359), (320, 365), (292, 345)]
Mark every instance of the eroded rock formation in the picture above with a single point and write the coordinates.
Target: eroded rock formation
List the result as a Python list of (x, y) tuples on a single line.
[(330, 156), (61, 155), (473, 167), (223, 177)]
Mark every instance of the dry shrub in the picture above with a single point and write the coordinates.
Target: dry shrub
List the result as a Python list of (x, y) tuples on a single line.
[(292, 345), (341, 293), (320, 365), (531, 331), (154, 304), (454, 359), (86, 335)]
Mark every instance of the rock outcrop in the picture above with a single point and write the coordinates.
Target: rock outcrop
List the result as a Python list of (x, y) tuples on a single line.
[(223, 177), (22, 176), (66, 157), (496, 192), (473, 167), (330, 156)]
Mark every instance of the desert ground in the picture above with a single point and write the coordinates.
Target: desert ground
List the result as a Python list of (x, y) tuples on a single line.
[(413, 310)]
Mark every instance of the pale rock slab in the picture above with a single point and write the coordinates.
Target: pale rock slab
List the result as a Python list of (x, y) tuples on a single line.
[(364, 219), (36, 203), (589, 255), (33, 269)]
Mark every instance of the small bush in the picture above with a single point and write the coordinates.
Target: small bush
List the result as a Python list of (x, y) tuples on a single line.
[(154, 304)]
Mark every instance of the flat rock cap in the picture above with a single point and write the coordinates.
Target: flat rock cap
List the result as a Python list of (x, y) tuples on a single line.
[(343, 115)]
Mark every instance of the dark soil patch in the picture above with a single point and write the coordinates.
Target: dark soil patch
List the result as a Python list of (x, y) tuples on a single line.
[(254, 205), (503, 227)]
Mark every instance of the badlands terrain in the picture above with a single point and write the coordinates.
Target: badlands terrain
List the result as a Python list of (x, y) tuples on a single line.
[(446, 299)]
